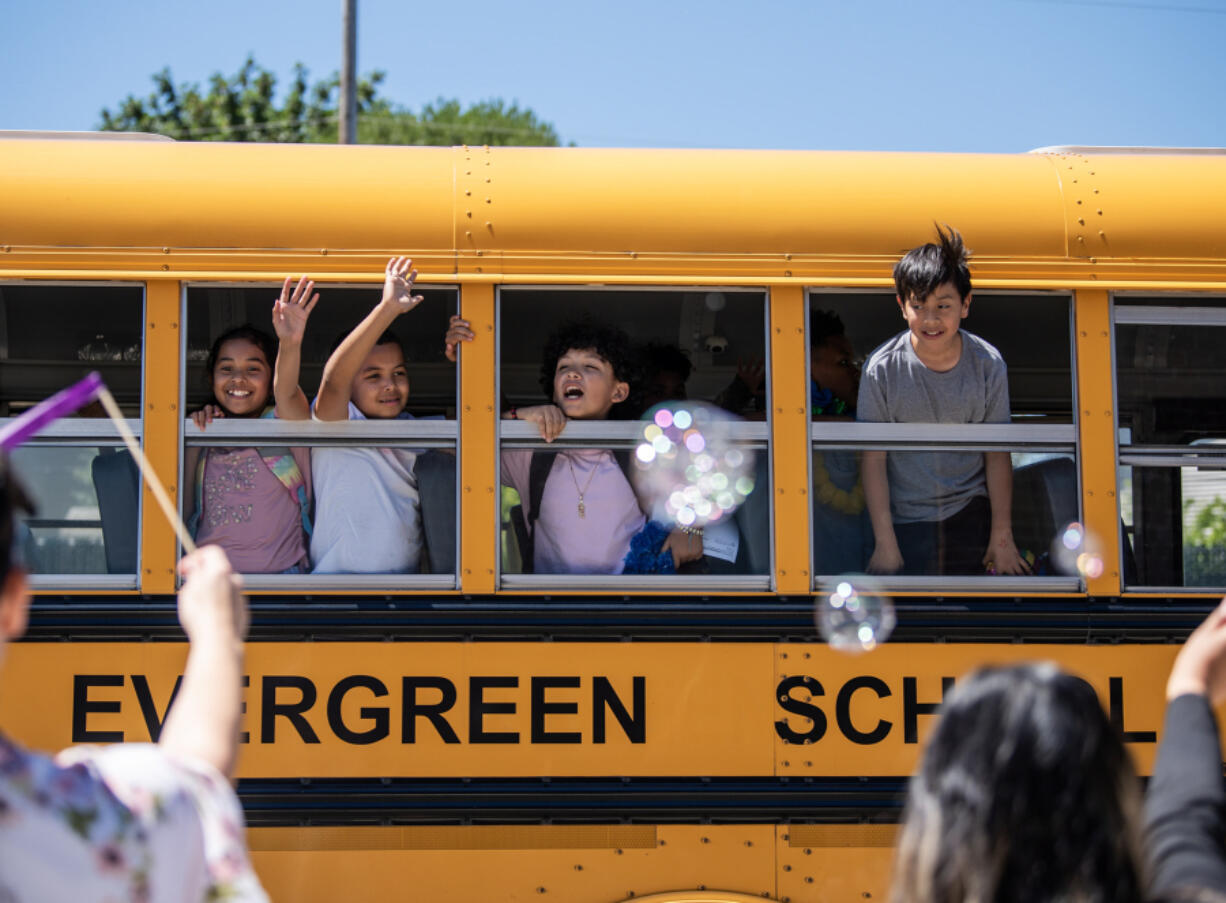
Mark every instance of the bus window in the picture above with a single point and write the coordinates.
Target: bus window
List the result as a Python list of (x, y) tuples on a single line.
[(411, 460), (938, 467), (667, 346), (83, 482), (1172, 439)]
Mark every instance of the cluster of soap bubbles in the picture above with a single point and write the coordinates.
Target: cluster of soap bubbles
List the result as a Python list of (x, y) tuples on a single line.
[(1077, 551), (852, 615), (685, 461)]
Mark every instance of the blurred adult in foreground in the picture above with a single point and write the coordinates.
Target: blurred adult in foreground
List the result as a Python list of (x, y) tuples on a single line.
[(1026, 793), (133, 822)]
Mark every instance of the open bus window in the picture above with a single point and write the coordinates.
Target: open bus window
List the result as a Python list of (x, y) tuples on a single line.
[(706, 345), (936, 471), (212, 310), (1171, 394), (83, 482), (368, 502)]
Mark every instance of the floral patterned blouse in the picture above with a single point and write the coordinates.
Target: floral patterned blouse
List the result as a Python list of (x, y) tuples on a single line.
[(122, 824)]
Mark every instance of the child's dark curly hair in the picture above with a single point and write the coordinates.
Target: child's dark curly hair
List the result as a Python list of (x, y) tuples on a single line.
[(609, 342), (258, 337)]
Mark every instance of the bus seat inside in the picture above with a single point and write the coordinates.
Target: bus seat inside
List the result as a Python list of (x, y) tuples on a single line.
[(117, 485), (1044, 500)]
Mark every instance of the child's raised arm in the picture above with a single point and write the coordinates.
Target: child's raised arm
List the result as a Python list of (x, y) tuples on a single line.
[(398, 298), (289, 318)]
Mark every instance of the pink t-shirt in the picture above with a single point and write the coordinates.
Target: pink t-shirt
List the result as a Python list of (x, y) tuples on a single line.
[(567, 543), (250, 513)]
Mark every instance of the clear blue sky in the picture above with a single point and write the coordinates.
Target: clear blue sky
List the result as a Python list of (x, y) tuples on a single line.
[(996, 75)]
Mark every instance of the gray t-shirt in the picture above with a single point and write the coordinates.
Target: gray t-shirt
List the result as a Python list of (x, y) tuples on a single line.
[(896, 387)]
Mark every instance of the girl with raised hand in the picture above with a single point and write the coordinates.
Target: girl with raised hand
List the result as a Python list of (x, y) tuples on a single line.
[(254, 502)]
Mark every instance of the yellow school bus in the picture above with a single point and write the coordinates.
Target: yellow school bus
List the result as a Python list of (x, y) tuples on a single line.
[(480, 732)]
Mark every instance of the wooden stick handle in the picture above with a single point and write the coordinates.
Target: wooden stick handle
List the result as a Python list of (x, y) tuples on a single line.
[(146, 469)]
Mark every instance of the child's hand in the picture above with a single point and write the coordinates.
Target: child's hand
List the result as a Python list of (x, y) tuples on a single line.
[(1002, 556), (290, 311), (398, 286), (211, 602), (205, 415), (686, 546), (1200, 666), (459, 331), (751, 372), (548, 417), (885, 560)]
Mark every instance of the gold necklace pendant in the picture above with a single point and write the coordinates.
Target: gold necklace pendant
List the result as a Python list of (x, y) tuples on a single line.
[(595, 467)]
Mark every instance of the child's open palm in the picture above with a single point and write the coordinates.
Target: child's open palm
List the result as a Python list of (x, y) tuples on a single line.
[(291, 310), (398, 285)]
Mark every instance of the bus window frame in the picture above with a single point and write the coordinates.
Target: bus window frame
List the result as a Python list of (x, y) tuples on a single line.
[(73, 433), (417, 433), (1013, 437), (1177, 456), (620, 434)]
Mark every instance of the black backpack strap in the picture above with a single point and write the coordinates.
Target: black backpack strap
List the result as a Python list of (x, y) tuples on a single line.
[(622, 457), (538, 473)]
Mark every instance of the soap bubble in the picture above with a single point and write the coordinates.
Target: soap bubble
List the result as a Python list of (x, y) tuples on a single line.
[(853, 615), (1077, 551), (686, 465)]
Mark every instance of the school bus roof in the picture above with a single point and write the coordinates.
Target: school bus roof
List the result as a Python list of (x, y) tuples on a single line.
[(212, 207)]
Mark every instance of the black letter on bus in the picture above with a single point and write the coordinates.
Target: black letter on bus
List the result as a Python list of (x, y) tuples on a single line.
[(378, 715), (541, 708), (81, 707), (1116, 685), (783, 693), (153, 720), (842, 710), (478, 708), (291, 710), (912, 708), (633, 726), (411, 708)]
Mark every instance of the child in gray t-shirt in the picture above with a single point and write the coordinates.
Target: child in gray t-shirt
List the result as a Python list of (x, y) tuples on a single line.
[(931, 511)]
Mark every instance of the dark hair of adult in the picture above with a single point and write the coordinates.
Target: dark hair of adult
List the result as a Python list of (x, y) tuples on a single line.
[(658, 358), (823, 326), (922, 270), (258, 337), (608, 342), (12, 499), (1024, 794)]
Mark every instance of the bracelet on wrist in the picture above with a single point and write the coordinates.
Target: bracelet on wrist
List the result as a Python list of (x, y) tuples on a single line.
[(511, 413)]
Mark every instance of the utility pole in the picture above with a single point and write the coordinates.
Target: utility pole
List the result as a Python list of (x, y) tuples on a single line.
[(348, 125)]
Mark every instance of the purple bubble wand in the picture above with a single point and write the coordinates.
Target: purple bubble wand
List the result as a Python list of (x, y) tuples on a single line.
[(69, 401)]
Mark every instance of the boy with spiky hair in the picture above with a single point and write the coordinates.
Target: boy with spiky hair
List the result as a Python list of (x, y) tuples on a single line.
[(930, 511)]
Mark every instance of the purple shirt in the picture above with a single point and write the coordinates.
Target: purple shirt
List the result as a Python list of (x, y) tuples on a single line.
[(567, 543), (250, 513)]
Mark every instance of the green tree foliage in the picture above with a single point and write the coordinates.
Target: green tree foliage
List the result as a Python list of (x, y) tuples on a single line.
[(445, 123), (244, 107), (1204, 549)]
